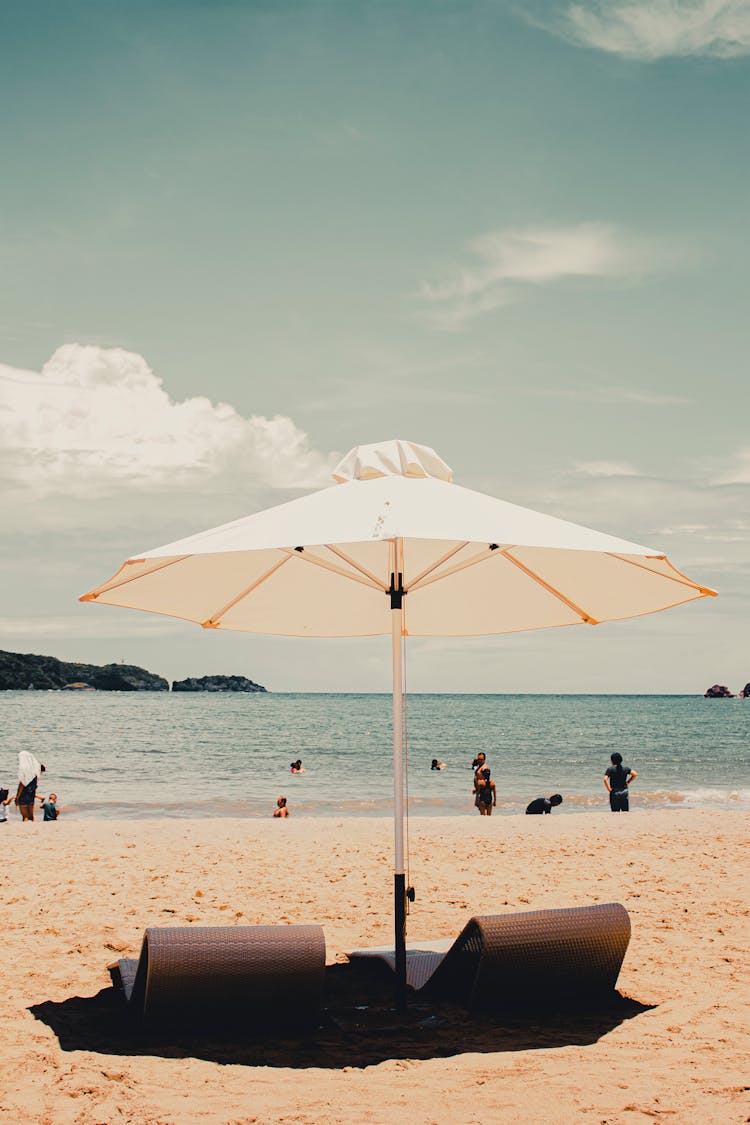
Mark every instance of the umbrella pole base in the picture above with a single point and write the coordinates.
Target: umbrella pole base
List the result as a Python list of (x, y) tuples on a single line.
[(399, 890)]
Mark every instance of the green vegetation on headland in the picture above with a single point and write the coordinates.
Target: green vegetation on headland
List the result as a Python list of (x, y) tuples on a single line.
[(21, 671)]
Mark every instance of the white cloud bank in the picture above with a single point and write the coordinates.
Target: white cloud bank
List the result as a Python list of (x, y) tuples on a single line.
[(657, 29), (97, 420), (507, 261)]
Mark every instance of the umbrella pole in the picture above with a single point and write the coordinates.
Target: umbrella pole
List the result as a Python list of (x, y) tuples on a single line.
[(399, 875)]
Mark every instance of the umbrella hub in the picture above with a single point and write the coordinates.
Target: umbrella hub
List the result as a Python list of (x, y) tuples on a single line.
[(391, 459)]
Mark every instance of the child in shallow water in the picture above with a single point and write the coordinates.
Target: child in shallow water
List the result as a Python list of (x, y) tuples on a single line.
[(49, 807), (486, 792), (281, 809), (5, 800)]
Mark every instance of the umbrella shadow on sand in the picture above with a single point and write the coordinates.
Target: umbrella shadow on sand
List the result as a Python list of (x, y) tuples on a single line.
[(357, 1027)]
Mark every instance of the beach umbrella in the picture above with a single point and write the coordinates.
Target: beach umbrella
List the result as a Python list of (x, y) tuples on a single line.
[(395, 547)]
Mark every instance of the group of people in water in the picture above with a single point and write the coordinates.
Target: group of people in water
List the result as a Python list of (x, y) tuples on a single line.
[(617, 779), (30, 771), (281, 811)]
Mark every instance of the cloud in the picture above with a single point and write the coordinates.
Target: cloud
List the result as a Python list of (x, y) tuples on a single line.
[(690, 515), (738, 472), (605, 469), (98, 420), (623, 396), (86, 625), (508, 262), (656, 29)]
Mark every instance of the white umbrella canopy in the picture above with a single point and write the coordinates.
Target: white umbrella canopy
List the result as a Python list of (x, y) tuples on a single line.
[(395, 547), (471, 564)]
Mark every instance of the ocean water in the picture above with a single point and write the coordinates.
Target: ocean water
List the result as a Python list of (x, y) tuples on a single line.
[(138, 755)]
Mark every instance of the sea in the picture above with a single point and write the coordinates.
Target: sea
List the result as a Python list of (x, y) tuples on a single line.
[(154, 754)]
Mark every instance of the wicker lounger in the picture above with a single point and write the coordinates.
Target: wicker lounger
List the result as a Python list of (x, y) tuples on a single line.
[(510, 958), (230, 972)]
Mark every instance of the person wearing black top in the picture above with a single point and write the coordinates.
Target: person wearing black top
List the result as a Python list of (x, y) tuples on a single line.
[(617, 778), (543, 805)]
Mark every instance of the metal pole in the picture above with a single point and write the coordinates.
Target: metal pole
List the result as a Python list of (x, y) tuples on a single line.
[(399, 875)]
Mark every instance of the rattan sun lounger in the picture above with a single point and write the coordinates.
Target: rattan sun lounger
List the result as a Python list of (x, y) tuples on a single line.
[(507, 959), (250, 973)]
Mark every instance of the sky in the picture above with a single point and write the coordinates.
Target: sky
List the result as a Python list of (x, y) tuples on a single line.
[(239, 238)]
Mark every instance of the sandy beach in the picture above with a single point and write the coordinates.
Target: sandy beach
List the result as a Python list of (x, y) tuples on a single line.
[(78, 895)]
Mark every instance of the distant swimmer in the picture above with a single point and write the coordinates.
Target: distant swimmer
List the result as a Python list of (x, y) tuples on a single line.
[(436, 765), (617, 778), (486, 793), (297, 767), (543, 805), (281, 809)]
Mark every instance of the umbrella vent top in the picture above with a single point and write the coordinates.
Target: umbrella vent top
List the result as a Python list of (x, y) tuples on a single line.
[(391, 458)]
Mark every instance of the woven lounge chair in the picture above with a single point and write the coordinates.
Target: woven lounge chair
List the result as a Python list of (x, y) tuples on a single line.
[(509, 959), (246, 973)]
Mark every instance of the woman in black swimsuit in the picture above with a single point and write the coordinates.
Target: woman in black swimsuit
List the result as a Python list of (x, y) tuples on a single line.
[(486, 793)]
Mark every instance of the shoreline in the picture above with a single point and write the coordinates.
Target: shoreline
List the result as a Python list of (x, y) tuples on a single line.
[(312, 809), (81, 893)]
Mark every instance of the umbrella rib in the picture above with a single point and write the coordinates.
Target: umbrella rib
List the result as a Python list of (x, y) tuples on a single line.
[(369, 581), (439, 562), (586, 617), (681, 579), (486, 554), (124, 582), (353, 563), (213, 622)]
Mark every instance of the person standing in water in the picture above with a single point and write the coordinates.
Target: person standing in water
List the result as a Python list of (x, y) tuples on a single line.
[(29, 770), (486, 793), (5, 800), (479, 763), (617, 778)]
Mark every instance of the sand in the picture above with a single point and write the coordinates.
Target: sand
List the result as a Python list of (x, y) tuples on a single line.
[(77, 894)]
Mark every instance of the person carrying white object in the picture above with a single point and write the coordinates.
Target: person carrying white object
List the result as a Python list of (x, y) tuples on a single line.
[(29, 771)]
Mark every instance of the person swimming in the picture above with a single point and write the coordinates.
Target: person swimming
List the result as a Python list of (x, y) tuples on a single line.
[(297, 767), (436, 765)]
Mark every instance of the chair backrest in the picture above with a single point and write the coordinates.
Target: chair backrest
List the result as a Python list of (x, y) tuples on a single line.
[(552, 955), (247, 973)]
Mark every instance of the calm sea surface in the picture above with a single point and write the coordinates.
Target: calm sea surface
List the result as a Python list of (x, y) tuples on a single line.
[(140, 755)]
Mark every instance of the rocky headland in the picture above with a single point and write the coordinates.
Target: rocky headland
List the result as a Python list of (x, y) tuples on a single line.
[(21, 670), (718, 691), (217, 683)]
